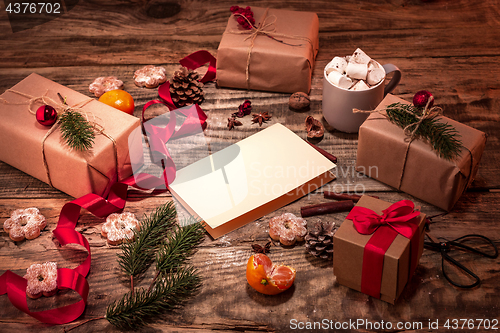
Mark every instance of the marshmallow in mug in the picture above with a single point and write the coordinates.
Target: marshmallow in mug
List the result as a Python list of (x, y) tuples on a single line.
[(351, 72)]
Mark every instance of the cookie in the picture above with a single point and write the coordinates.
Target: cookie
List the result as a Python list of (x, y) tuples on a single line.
[(150, 76)]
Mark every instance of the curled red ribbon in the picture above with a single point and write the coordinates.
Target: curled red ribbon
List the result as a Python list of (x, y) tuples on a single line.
[(15, 286), (198, 59), (399, 218)]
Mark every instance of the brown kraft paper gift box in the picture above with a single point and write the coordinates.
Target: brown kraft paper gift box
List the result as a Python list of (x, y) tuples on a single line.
[(425, 175), (283, 64), (73, 172), (349, 248)]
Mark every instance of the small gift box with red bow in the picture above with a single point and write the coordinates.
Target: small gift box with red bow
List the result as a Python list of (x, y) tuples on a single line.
[(378, 246)]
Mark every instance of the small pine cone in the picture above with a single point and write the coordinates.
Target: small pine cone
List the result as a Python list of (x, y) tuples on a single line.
[(319, 240), (185, 88)]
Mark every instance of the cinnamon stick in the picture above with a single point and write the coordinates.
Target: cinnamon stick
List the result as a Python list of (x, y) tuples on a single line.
[(324, 152), (327, 208), (344, 196)]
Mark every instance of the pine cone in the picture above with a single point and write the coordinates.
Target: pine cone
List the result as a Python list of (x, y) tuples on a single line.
[(319, 240), (185, 88)]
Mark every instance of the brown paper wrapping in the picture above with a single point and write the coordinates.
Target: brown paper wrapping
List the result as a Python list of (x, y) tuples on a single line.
[(274, 66), (381, 151), (75, 173), (348, 255)]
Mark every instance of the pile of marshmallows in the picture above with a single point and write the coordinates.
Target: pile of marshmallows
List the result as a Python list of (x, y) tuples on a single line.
[(356, 72)]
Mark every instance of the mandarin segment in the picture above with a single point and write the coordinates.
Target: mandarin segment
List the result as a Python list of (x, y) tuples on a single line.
[(268, 278)]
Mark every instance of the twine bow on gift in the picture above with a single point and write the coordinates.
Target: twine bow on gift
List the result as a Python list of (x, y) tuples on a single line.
[(438, 135), (399, 218), (427, 113), (268, 29)]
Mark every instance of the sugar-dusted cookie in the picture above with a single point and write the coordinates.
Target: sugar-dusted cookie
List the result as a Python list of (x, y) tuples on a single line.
[(150, 76), (24, 223)]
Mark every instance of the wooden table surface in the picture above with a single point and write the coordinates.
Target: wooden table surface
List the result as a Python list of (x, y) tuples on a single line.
[(451, 48)]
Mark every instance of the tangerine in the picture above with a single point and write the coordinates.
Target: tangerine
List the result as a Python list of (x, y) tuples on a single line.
[(268, 278), (119, 99)]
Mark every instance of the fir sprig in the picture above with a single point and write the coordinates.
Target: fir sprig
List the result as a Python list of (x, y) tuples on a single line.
[(133, 309), (179, 245), (173, 284), (137, 256), (76, 130), (443, 137)]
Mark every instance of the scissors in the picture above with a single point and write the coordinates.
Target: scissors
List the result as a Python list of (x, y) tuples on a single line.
[(446, 246)]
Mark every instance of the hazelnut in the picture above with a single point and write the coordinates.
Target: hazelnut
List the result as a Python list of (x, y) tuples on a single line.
[(299, 101)]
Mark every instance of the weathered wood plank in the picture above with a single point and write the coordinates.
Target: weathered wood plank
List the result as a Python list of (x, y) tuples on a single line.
[(451, 48), (475, 105), (126, 34), (225, 294)]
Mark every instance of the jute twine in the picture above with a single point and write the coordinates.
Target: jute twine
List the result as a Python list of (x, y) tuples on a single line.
[(410, 130), (61, 107), (267, 29)]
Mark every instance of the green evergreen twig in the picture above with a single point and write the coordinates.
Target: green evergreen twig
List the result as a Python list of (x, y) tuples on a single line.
[(170, 291), (137, 256), (443, 137), (179, 245), (76, 130)]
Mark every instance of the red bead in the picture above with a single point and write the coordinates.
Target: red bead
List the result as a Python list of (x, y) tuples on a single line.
[(421, 98), (46, 115)]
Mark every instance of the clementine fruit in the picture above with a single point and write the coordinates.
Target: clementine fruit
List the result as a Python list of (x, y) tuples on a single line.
[(268, 278), (119, 99)]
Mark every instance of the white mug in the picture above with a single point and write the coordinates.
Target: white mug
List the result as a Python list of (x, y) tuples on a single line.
[(339, 102)]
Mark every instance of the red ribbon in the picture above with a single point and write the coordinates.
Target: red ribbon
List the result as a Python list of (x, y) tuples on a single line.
[(198, 59), (15, 286), (399, 218)]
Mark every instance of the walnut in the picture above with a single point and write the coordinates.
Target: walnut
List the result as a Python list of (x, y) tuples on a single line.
[(299, 101)]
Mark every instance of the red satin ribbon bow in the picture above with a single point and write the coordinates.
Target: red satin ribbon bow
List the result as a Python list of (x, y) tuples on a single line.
[(15, 286), (399, 218), (366, 221)]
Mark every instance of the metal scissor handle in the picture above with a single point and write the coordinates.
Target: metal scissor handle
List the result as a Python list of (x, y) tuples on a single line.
[(444, 249)]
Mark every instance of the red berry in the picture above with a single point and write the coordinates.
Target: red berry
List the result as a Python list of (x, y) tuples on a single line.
[(421, 98)]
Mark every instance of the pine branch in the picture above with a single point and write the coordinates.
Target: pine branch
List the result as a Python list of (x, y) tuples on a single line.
[(76, 130), (138, 255), (132, 310), (443, 137), (178, 247)]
